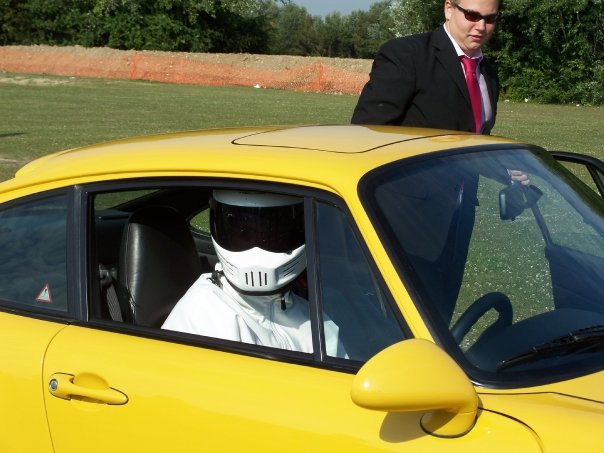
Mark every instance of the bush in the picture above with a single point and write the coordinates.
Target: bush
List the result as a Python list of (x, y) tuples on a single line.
[(559, 58)]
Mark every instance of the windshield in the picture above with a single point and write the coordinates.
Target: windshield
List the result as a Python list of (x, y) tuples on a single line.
[(502, 272)]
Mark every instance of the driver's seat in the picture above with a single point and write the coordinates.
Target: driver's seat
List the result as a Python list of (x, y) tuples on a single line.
[(158, 263)]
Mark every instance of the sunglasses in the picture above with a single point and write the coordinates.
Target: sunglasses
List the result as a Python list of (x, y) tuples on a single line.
[(473, 16)]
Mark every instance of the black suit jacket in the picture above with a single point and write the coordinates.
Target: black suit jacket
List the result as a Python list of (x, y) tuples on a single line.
[(418, 81)]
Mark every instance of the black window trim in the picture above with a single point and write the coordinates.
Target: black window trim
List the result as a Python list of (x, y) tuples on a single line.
[(319, 358), (594, 166), (39, 311)]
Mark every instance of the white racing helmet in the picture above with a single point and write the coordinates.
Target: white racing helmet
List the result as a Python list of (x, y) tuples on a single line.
[(259, 238)]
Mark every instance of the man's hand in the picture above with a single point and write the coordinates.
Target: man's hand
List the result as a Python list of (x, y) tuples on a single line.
[(518, 176)]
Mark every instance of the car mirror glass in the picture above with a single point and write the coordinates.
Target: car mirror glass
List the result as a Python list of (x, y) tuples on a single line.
[(515, 198)]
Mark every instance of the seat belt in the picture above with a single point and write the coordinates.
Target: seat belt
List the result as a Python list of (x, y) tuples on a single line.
[(108, 288)]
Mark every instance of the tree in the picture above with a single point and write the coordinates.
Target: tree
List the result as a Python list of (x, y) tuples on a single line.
[(247, 32), (331, 33), (44, 22), (416, 16), (560, 57), (186, 25), (294, 32), (380, 26), (357, 35), (368, 30)]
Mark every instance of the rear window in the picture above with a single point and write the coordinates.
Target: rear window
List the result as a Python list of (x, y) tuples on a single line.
[(33, 254)]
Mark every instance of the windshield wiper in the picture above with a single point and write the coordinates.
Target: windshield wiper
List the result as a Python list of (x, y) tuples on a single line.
[(589, 339)]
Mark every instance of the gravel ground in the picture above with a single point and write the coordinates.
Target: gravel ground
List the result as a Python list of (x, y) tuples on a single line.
[(333, 75)]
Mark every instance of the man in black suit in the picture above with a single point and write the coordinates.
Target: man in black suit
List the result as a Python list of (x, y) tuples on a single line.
[(420, 80)]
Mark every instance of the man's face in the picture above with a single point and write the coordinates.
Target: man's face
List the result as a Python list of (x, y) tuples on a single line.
[(470, 35)]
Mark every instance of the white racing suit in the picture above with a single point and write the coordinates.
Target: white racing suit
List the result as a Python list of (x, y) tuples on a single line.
[(276, 320)]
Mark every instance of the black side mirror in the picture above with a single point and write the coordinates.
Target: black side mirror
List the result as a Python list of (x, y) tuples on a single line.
[(515, 198)]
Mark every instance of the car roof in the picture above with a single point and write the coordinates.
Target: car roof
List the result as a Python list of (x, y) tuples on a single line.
[(318, 155)]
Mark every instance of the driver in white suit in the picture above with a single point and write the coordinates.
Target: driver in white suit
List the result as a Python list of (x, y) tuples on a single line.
[(259, 241)]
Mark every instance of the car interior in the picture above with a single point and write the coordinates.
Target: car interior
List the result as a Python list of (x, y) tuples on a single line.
[(147, 255), (148, 247)]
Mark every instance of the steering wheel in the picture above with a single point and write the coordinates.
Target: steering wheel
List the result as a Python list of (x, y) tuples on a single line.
[(495, 300)]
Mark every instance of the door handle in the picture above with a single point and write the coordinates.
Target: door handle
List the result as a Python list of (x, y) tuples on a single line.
[(85, 386)]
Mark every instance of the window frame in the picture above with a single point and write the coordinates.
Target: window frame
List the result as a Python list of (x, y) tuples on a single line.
[(71, 263), (311, 196)]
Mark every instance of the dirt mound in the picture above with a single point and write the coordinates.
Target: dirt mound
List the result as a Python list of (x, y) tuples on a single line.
[(328, 75)]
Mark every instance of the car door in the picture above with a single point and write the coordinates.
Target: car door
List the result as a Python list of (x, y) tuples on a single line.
[(192, 398), (33, 309), (116, 386), (589, 169)]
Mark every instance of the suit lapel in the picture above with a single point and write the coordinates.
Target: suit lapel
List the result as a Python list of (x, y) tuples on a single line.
[(490, 77), (447, 56)]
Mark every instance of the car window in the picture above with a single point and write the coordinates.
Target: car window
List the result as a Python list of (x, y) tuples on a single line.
[(154, 265), (146, 268), (581, 172), (505, 269), (200, 223), (566, 226), (33, 254), (351, 297), (506, 257), (116, 200)]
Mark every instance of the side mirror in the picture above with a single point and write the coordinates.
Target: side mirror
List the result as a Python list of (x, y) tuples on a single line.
[(417, 376), (515, 198)]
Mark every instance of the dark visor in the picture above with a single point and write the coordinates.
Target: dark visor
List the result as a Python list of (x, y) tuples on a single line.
[(275, 229)]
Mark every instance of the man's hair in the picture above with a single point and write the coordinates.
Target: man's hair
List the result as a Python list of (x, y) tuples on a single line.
[(456, 2)]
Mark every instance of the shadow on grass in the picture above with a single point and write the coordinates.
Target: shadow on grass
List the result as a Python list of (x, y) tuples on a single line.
[(10, 134)]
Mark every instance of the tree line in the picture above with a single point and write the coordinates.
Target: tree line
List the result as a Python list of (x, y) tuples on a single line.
[(546, 50)]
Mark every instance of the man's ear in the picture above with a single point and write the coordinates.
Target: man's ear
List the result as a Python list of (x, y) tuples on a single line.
[(448, 7)]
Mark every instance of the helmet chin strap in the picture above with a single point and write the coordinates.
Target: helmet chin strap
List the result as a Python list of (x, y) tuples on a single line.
[(215, 277)]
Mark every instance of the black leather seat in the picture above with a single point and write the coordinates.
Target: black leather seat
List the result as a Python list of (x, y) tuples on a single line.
[(158, 263)]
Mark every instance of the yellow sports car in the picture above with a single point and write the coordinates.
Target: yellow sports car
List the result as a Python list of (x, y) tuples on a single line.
[(326, 288)]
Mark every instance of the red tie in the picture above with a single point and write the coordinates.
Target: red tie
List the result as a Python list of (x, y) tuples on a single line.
[(470, 65)]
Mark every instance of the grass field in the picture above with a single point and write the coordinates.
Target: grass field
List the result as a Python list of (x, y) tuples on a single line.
[(41, 114)]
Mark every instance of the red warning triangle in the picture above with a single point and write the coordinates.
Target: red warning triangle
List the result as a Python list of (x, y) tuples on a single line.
[(45, 296)]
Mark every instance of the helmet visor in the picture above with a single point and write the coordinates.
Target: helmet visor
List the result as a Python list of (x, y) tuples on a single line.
[(274, 229)]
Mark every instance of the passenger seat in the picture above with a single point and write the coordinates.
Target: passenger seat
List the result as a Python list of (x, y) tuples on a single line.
[(158, 263)]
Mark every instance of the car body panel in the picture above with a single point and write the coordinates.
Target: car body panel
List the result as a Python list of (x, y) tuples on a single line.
[(357, 140), (24, 341), (584, 415), (215, 153), (190, 394), (588, 388), (185, 398)]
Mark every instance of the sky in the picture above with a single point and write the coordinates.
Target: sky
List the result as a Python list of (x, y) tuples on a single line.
[(324, 7)]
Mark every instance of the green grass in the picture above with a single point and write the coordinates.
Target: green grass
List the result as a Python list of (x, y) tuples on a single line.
[(554, 127), (41, 114)]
